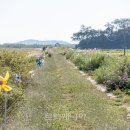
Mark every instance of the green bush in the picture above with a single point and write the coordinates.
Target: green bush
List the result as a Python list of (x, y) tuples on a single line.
[(15, 62), (112, 71), (94, 61), (49, 54), (79, 61), (88, 62), (114, 74)]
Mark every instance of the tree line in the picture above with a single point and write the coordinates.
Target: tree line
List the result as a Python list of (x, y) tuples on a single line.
[(116, 35)]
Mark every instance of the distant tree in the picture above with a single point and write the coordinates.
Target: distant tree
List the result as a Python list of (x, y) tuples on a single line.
[(114, 34), (109, 29), (82, 34), (57, 44), (122, 25)]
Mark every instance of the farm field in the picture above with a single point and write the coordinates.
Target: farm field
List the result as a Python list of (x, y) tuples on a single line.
[(117, 52), (60, 98)]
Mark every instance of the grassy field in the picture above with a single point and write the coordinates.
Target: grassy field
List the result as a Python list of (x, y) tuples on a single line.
[(60, 98), (117, 52)]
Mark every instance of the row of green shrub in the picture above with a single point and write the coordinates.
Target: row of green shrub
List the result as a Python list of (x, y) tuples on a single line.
[(106, 69), (15, 62), (88, 62)]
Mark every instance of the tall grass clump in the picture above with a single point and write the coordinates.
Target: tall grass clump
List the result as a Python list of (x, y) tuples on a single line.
[(69, 54), (78, 60), (86, 62), (93, 61)]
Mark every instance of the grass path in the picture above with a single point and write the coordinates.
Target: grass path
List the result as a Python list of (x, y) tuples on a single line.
[(60, 98)]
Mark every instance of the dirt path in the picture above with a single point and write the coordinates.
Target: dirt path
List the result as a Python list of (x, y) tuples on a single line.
[(35, 52), (60, 98)]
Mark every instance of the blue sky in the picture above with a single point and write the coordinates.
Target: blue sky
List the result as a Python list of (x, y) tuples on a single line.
[(55, 19)]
